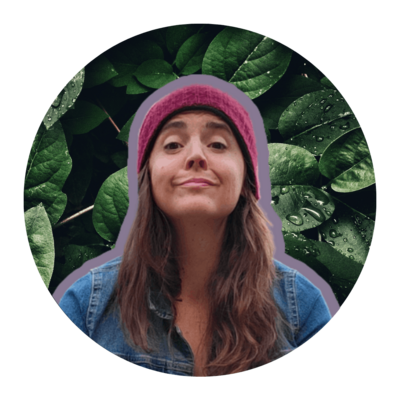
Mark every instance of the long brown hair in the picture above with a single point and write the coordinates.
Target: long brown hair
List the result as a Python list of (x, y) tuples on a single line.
[(245, 325)]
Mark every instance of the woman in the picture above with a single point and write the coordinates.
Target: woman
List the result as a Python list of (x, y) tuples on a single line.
[(197, 291)]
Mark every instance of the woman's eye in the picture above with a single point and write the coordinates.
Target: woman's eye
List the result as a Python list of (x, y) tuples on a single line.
[(218, 145), (174, 143), (172, 146)]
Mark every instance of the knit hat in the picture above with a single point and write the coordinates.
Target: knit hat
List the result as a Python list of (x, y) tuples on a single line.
[(198, 95)]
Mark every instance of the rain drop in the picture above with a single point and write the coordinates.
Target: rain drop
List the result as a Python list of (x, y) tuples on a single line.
[(319, 139), (295, 219), (49, 119), (57, 101), (351, 257), (284, 189), (350, 250), (333, 233), (331, 242), (344, 240), (275, 200)]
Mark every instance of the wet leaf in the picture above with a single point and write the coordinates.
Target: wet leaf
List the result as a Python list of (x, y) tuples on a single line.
[(252, 62), (291, 165), (348, 163), (349, 232), (111, 205), (65, 99), (135, 87), (177, 35), (316, 119), (301, 207), (49, 165), (41, 242)]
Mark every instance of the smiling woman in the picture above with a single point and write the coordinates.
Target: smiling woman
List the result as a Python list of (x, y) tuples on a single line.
[(197, 291)]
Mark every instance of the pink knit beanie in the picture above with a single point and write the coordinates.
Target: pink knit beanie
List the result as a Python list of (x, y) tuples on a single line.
[(199, 95)]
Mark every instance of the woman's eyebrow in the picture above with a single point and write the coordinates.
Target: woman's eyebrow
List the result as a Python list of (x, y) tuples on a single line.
[(209, 125)]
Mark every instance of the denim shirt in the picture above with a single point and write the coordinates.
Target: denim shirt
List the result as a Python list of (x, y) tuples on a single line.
[(86, 300)]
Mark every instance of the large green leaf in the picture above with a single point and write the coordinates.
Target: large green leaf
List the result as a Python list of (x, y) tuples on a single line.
[(291, 165), (348, 163), (120, 158), (128, 55), (41, 242), (65, 100), (135, 87), (316, 119), (339, 271), (49, 165), (98, 71), (301, 207), (111, 205), (83, 118), (250, 61), (177, 35), (155, 73), (190, 55), (348, 232), (277, 99)]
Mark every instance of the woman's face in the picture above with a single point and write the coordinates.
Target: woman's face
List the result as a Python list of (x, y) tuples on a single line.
[(196, 167)]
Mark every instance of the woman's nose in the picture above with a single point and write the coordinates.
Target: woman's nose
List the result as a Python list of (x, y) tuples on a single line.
[(196, 158)]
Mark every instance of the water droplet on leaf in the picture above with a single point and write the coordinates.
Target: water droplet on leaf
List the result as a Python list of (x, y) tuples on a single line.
[(295, 219)]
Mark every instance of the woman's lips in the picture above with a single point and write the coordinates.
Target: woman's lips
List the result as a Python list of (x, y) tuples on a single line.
[(196, 184)]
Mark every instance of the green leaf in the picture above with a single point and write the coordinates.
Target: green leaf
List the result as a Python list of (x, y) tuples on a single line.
[(120, 158), (177, 35), (301, 207), (327, 83), (135, 87), (65, 100), (348, 163), (155, 73), (190, 55), (279, 97), (124, 132), (291, 165), (348, 232), (363, 200), (316, 119), (336, 269), (85, 117), (128, 55), (49, 165), (98, 71), (111, 205), (41, 242), (305, 250), (250, 61)]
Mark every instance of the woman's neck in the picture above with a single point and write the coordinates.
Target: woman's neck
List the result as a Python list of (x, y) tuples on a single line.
[(199, 244)]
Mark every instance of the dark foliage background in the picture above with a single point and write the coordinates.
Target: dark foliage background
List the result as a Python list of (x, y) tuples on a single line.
[(323, 184)]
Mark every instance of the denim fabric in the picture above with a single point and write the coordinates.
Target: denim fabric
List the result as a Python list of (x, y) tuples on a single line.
[(86, 300)]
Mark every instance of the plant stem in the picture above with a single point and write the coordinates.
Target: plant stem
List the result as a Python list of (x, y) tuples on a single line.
[(110, 119), (74, 216)]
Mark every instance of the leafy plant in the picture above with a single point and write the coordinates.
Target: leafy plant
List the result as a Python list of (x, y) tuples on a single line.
[(323, 184)]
